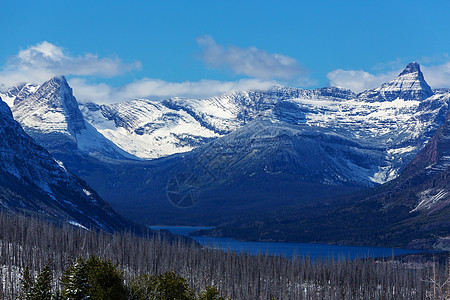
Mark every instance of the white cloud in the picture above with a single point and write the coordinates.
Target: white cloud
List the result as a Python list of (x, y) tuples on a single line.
[(156, 88), (40, 62), (252, 62), (437, 76), (358, 80)]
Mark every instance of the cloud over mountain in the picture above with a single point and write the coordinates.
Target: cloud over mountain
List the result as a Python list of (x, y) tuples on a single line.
[(44, 60), (156, 88), (40, 62), (438, 76), (251, 61)]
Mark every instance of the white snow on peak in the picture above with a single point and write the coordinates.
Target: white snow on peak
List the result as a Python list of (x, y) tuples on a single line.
[(148, 129), (399, 117), (51, 108), (7, 99), (151, 129)]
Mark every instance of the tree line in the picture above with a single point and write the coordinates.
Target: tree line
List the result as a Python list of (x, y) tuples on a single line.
[(96, 278), (28, 244)]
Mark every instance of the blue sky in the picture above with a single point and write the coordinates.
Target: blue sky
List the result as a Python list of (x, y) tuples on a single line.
[(115, 50)]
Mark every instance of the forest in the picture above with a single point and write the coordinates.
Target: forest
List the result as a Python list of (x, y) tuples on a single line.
[(36, 255)]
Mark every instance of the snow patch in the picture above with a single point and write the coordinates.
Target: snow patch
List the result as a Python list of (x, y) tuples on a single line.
[(430, 198), (60, 163), (88, 193), (77, 224), (403, 150)]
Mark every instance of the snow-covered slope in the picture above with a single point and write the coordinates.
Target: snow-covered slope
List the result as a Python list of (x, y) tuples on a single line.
[(278, 149), (409, 85), (242, 148), (32, 181), (429, 172), (401, 115), (50, 114), (150, 129)]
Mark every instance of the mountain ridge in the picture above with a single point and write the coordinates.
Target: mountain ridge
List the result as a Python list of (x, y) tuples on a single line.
[(31, 181), (50, 114), (360, 141), (411, 211), (410, 84)]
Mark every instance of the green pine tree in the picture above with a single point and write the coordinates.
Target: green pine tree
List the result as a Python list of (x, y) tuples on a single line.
[(167, 286), (105, 279), (75, 281), (26, 285), (210, 293), (93, 279), (171, 286), (42, 289)]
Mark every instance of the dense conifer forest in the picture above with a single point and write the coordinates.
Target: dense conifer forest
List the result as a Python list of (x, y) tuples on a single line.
[(38, 256)]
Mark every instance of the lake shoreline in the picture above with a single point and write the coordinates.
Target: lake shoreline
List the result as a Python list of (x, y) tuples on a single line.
[(314, 250)]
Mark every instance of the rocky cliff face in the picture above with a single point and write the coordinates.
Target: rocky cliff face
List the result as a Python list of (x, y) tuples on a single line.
[(49, 113), (51, 108), (409, 85), (31, 181)]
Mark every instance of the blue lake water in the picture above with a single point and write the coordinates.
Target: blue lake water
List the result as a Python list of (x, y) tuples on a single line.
[(288, 249)]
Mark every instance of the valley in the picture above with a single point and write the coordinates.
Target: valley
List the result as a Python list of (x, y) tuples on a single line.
[(246, 156)]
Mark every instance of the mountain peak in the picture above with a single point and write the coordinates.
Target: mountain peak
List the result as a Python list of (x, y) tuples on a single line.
[(410, 84), (59, 78), (412, 67), (55, 97), (58, 82)]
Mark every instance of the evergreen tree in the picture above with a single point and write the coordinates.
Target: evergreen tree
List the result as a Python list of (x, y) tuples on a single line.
[(167, 286), (105, 279), (42, 289), (141, 287), (75, 281), (26, 285), (210, 293), (93, 279), (171, 286)]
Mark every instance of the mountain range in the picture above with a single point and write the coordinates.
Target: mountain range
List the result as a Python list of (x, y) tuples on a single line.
[(238, 155), (411, 211)]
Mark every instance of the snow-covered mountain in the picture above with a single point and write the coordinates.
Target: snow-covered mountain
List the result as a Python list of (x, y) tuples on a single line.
[(49, 113), (409, 85), (313, 142), (401, 115), (150, 129), (411, 211), (428, 174), (31, 181)]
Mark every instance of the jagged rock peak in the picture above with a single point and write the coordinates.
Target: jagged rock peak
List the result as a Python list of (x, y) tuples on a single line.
[(55, 98), (413, 78), (59, 78), (410, 84), (411, 68), (57, 82)]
